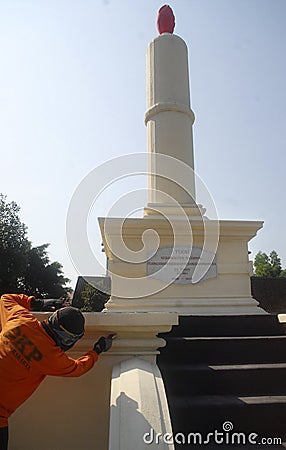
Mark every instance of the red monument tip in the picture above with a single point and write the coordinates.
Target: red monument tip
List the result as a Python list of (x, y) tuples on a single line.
[(165, 20)]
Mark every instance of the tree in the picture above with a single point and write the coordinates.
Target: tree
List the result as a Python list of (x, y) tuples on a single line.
[(14, 246), (94, 299), (42, 278), (22, 267), (275, 263), (268, 266)]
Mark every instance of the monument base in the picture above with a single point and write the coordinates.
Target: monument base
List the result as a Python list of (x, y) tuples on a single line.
[(135, 287), (190, 306), (193, 210)]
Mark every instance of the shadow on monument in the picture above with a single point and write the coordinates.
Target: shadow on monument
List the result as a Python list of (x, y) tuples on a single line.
[(135, 431)]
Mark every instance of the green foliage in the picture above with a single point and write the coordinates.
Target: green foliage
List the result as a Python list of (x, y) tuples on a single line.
[(268, 266), (94, 299), (42, 278), (14, 246), (22, 267)]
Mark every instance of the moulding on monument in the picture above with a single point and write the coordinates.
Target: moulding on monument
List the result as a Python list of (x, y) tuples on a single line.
[(136, 334)]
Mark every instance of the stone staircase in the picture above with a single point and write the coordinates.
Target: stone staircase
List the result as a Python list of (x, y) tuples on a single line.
[(226, 373)]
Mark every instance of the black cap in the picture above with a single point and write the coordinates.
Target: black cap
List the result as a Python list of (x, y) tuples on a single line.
[(71, 319)]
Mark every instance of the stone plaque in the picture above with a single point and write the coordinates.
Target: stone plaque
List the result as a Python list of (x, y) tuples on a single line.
[(182, 265)]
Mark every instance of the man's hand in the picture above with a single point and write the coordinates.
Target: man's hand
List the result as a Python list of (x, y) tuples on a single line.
[(37, 304), (103, 344)]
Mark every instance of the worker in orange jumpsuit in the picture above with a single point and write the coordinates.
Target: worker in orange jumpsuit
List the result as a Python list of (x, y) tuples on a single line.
[(30, 350)]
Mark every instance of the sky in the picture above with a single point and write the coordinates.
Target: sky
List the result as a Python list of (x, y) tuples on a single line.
[(72, 97)]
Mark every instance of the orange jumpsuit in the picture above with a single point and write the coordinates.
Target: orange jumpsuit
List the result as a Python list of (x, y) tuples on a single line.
[(28, 354)]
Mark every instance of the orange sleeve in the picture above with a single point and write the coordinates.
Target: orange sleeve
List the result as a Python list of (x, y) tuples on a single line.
[(11, 304), (63, 366), (10, 300)]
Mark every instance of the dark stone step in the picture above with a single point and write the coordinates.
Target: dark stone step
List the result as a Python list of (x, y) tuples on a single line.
[(247, 379), (231, 445), (226, 368), (224, 350), (263, 415), (254, 325)]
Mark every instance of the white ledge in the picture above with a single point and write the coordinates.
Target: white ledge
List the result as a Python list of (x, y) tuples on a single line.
[(136, 333)]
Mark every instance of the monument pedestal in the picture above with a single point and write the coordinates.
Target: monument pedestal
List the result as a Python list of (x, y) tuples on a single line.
[(136, 287), (84, 402)]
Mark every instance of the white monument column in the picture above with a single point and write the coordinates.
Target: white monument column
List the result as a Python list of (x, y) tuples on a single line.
[(169, 117)]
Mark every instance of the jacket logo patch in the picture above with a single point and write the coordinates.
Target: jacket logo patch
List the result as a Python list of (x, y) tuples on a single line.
[(23, 344)]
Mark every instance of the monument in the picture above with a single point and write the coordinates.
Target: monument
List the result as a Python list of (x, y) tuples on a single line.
[(175, 258)]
